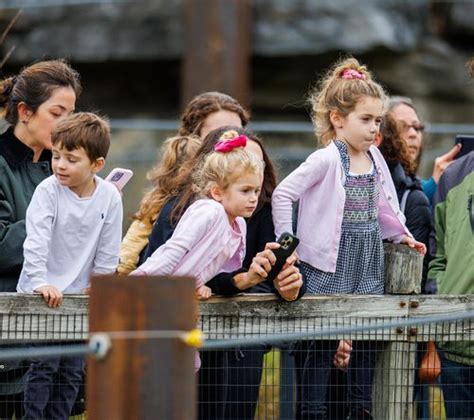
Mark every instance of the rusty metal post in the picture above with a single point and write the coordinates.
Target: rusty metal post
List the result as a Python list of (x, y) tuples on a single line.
[(216, 53), (142, 378)]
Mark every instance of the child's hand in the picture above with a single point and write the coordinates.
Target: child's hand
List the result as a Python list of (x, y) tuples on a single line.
[(203, 293), (420, 247), (52, 296), (343, 354)]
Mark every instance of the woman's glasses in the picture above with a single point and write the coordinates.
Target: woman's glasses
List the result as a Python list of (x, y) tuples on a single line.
[(419, 128)]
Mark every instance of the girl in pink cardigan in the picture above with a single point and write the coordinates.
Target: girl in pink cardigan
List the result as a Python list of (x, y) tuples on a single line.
[(347, 205), (210, 236)]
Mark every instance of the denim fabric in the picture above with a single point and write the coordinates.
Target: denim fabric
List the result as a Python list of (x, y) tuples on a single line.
[(457, 382), (51, 387), (312, 363), (313, 360), (245, 373)]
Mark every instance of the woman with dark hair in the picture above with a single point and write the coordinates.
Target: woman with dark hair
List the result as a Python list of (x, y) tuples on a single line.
[(229, 380), (33, 102), (413, 201), (411, 129), (211, 110)]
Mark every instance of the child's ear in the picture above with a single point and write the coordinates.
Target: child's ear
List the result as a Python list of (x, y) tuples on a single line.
[(98, 164), (216, 193), (337, 119)]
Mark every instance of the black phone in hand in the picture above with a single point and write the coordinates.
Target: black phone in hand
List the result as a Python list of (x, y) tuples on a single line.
[(467, 144), (288, 244)]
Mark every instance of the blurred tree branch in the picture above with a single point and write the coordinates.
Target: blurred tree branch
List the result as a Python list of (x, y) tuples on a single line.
[(4, 35)]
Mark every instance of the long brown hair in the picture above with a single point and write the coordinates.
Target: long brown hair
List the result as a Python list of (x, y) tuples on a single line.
[(201, 106), (165, 175), (394, 149), (35, 85)]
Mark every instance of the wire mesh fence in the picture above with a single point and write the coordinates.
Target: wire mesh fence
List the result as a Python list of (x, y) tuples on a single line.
[(267, 359), (293, 369)]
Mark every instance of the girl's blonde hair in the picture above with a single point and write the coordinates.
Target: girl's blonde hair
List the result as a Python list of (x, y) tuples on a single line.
[(224, 169), (339, 90), (174, 151)]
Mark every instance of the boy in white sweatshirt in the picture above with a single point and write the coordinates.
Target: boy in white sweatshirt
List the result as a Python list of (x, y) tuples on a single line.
[(73, 227)]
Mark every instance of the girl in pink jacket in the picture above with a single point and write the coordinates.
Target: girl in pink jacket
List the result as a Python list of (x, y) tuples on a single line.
[(347, 205), (210, 236)]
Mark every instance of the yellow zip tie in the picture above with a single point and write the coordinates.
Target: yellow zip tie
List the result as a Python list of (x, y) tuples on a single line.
[(193, 338)]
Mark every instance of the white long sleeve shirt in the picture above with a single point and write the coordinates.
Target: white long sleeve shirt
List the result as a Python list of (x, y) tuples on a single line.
[(68, 238)]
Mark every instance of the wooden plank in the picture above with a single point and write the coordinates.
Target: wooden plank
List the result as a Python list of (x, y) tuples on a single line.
[(436, 305), (242, 318), (392, 393), (392, 390), (403, 269), (26, 317), (17, 303), (145, 377)]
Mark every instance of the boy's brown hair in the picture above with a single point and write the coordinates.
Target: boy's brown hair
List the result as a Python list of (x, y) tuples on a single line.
[(86, 130)]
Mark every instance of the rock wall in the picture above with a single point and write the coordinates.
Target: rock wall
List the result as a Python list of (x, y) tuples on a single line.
[(415, 47)]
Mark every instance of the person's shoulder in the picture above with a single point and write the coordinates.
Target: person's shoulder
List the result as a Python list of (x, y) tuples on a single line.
[(206, 206), (107, 188), (461, 166), (418, 198), (49, 184), (455, 173), (377, 155), (324, 156)]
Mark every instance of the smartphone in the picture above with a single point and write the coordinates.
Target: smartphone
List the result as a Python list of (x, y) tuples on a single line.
[(288, 244), (467, 144), (119, 177)]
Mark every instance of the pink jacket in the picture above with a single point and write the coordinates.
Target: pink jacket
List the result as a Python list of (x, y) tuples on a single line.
[(319, 185), (203, 244)]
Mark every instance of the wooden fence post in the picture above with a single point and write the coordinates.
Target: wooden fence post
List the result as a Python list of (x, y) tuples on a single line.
[(395, 374), (142, 378), (216, 48)]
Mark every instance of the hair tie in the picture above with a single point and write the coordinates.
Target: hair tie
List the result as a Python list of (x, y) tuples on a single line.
[(224, 146), (351, 74)]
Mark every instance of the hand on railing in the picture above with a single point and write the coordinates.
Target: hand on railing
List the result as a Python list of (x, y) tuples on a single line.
[(412, 243), (289, 281), (52, 296), (203, 293)]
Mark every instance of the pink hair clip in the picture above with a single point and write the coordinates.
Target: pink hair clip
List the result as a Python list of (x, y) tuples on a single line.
[(225, 146), (351, 74)]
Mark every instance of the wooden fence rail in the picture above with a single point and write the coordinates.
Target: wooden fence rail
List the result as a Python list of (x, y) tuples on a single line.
[(27, 318)]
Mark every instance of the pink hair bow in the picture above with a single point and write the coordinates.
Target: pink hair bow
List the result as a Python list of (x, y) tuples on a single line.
[(351, 74), (225, 146)]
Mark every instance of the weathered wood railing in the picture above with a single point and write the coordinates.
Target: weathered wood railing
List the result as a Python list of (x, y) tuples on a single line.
[(26, 318)]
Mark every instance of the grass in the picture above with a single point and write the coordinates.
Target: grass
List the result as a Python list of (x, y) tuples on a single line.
[(268, 406)]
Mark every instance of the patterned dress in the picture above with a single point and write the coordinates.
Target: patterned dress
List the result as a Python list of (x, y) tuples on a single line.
[(360, 261)]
